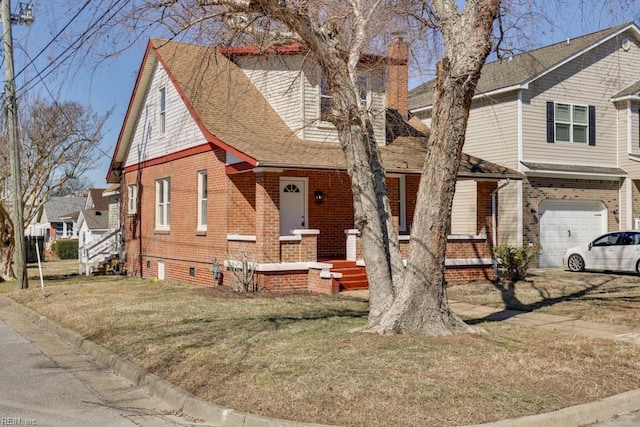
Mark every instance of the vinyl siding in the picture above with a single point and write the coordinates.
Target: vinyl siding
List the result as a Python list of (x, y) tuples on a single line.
[(279, 80), (463, 211), (292, 88), (181, 130), (318, 130), (492, 132), (629, 141), (591, 79), (508, 215)]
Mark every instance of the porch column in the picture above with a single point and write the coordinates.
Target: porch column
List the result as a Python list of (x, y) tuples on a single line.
[(268, 214), (352, 243)]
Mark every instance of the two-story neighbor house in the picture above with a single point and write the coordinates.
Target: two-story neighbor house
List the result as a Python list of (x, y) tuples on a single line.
[(224, 152), (565, 115)]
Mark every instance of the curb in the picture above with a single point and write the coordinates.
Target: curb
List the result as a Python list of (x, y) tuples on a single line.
[(188, 404), (177, 398), (578, 415)]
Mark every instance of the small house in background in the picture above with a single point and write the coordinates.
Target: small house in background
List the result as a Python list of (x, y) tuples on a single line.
[(99, 241), (224, 155), (58, 219)]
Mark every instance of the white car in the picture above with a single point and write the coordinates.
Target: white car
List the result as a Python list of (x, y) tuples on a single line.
[(618, 251)]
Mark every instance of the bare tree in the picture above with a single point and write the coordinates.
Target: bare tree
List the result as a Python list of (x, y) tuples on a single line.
[(59, 146)]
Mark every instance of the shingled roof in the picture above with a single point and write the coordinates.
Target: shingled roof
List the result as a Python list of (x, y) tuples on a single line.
[(521, 69), (233, 115)]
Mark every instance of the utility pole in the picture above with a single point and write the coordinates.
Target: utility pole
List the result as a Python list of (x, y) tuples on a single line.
[(20, 257)]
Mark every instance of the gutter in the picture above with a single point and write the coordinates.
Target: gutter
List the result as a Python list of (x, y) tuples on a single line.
[(480, 95)]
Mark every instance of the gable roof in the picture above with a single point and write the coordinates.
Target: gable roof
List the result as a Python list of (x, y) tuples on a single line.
[(518, 71), (96, 200), (233, 115), (57, 207), (96, 219)]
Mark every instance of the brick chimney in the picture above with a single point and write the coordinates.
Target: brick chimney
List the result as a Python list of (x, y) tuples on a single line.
[(398, 76)]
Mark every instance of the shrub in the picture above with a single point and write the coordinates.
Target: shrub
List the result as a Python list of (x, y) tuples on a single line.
[(513, 261), (66, 249)]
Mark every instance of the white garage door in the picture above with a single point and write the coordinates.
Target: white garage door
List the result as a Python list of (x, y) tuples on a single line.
[(567, 223)]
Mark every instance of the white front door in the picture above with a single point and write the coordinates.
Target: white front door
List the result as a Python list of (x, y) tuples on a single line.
[(293, 205)]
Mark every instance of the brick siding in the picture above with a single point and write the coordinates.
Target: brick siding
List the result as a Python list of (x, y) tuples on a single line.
[(232, 205), (537, 190)]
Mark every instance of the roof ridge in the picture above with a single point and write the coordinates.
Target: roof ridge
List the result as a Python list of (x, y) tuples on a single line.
[(526, 66), (613, 29)]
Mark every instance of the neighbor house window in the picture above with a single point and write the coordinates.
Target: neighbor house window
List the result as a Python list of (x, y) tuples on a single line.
[(163, 203), (132, 199), (202, 200), (163, 105), (571, 123)]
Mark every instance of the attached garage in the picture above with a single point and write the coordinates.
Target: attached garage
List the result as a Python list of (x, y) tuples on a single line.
[(567, 223)]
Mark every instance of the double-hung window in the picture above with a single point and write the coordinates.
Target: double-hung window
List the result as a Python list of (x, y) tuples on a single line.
[(202, 200), (571, 123), (363, 90), (162, 100), (163, 203), (326, 98), (132, 199)]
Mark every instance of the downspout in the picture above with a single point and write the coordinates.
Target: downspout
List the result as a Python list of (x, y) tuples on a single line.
[(494, 226)]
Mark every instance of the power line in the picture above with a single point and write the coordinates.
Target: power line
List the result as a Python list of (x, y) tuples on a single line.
[(70, 50), (64, 113), (55, 37)]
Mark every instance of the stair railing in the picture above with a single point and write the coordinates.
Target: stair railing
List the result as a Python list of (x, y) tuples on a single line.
[(94, 253)]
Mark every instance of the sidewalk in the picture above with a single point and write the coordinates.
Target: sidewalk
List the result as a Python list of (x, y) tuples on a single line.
[(537, 320), (549, 322)]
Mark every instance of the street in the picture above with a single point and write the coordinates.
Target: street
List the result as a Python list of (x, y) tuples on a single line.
[(52, 384)]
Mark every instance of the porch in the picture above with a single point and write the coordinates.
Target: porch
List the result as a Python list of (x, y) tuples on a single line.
[(295, 228), (300, 269)]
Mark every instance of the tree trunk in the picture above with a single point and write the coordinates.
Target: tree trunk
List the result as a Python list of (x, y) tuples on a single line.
[(372, 208), (421, 305), (7, 245)]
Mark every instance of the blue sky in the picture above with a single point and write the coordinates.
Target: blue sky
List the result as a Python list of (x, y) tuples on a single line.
[(107, 84)]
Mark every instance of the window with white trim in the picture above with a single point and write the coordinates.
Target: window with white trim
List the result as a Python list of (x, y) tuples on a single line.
[(132, 199), (162, 101), (163, 203), (202, 200), (363, 86), (571, 123), (326, 99)]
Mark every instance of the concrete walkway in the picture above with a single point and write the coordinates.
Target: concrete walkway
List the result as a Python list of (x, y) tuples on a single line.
[(184, 403), (549, 322), (536, 319)]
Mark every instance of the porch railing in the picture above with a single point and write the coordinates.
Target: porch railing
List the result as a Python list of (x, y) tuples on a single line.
[(93, 254)]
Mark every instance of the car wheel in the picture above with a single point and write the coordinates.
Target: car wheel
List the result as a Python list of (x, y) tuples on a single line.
[(638, 267), (576, 263)]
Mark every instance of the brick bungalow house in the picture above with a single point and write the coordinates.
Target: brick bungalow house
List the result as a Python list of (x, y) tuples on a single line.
[(223, 152)]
